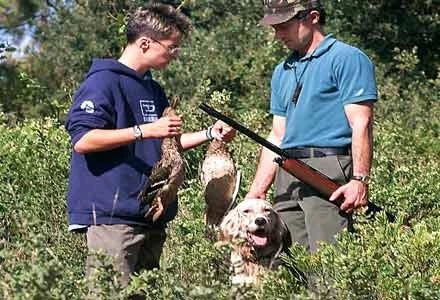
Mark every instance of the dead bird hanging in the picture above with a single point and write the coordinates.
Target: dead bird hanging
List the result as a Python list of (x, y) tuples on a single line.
[(167, 174), (220, 180)]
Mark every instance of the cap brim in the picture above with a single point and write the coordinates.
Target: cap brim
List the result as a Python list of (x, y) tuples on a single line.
[(273, 19)]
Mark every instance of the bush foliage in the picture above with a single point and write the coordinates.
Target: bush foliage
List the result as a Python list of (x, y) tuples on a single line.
[(228, 63)]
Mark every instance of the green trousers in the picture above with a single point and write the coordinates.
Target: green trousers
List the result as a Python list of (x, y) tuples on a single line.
[(310, 218)]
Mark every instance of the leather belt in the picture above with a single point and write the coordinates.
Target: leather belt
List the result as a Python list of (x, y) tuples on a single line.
[(311, 152)]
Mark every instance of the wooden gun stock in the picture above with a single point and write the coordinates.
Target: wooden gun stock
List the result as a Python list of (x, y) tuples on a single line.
[(305, 173), (310, 176), (322, 183)]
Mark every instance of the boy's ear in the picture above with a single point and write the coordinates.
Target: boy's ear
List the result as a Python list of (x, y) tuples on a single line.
[(143, 42)]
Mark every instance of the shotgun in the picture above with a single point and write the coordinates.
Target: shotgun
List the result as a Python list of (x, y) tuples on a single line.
[(305, 173)]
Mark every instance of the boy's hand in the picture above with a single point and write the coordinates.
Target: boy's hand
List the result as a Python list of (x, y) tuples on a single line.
[(168, 126), (222, 131)]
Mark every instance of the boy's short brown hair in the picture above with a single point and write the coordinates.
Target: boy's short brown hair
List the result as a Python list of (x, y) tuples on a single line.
[(157, 21)]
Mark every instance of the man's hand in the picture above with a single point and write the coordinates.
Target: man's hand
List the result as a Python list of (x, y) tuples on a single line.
[(355, 194), (222, 131), (253, 195), (168, 126)]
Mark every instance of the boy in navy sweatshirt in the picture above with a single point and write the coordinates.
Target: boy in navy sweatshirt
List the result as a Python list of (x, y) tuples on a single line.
[(116, 130)]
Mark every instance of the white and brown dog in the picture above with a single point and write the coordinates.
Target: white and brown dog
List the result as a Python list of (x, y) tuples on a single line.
[(256, 233)]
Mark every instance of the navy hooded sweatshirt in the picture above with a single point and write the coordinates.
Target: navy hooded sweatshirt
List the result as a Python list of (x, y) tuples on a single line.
[(104, 186)]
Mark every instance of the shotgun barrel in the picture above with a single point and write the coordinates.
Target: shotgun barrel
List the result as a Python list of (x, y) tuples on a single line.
[(305, 173)]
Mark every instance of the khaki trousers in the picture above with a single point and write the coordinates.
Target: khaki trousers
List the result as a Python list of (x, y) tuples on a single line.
[(134, 248), (309, 217)]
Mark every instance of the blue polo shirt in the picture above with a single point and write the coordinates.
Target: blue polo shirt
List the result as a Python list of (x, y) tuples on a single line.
[(333, 75)]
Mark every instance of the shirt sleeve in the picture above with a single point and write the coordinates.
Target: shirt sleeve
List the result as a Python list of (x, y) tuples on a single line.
[(356, 78), (92, 108), (278, 105)]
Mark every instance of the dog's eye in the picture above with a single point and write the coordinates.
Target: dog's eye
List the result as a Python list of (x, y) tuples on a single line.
[(267, 210), (246, 211)]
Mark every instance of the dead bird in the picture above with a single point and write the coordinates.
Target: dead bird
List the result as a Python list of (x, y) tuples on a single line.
[(167, 174), (220, 180)]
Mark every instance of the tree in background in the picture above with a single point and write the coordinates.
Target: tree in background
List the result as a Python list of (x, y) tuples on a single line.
[(385, 26), (15, 15), (228, 48)]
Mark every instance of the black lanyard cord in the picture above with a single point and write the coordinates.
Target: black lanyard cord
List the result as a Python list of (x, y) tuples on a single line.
[(298, 82)]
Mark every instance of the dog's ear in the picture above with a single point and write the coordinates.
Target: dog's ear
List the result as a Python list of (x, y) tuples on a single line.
[(281, 232), (230, 226), (284, 232)]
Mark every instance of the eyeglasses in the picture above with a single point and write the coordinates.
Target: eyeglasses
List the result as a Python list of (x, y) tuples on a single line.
[(172, 51)]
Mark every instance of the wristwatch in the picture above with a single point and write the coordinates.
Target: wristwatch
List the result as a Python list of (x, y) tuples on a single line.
[(137, 132), (364, 179)]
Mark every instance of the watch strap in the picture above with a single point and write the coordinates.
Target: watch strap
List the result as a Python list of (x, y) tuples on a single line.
[(364, 179)]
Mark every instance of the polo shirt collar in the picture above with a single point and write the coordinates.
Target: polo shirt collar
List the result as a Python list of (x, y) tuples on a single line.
[(322, 48)]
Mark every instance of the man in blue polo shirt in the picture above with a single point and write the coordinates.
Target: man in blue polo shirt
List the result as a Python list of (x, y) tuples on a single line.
[(322, 99)]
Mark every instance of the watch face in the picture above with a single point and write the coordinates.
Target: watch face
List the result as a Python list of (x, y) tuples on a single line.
[(137, 132), (364, 179)]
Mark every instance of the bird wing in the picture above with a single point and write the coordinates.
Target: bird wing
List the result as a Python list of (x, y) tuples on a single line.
[(158, 178)]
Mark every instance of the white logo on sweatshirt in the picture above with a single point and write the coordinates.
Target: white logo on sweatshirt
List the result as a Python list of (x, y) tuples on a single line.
[(148, 109), (88, 106)]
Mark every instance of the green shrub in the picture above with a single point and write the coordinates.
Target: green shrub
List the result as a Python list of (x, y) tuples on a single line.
[(35, 245), (31, 269), (380, 261)]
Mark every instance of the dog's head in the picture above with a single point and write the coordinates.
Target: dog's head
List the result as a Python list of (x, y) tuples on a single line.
[(253, 221)]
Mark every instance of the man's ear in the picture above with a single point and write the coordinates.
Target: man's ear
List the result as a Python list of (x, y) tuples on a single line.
[(314, 14)]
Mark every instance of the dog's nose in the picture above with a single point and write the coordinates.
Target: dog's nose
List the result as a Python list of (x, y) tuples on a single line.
[(260, 221)]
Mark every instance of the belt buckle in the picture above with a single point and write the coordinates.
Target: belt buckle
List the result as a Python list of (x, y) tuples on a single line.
[(317, 153)]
